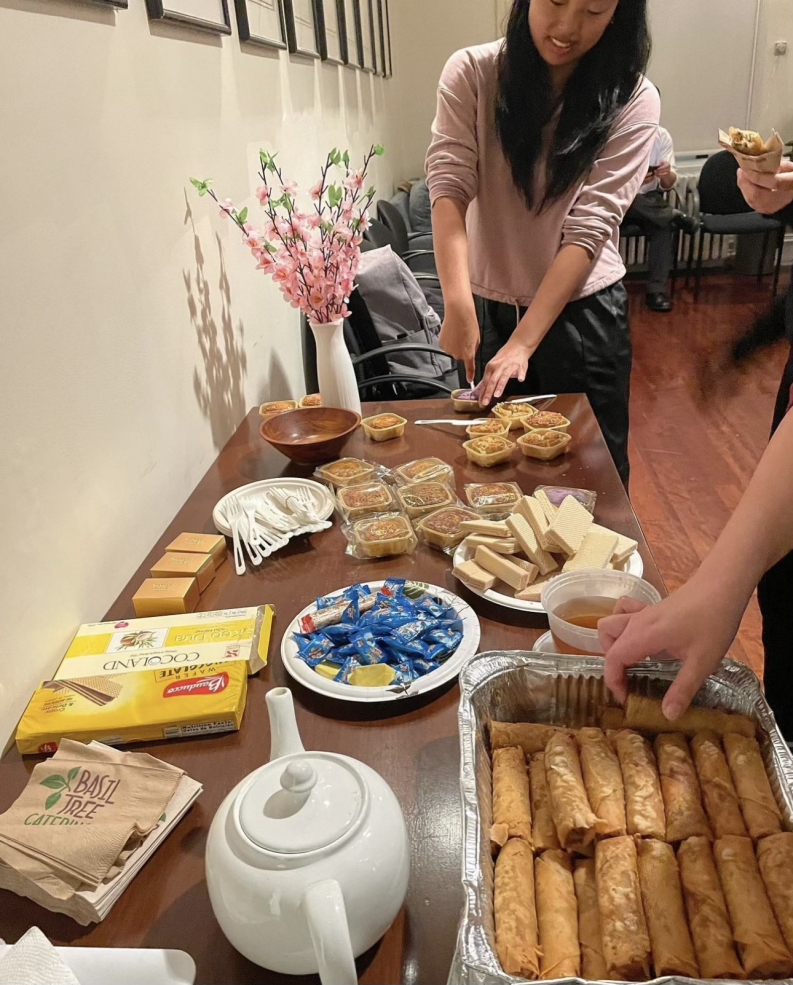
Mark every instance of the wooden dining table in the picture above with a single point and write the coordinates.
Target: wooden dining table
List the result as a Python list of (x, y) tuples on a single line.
[(412, 743)]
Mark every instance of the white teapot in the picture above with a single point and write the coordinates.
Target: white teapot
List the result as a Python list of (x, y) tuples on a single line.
[(308, 859)]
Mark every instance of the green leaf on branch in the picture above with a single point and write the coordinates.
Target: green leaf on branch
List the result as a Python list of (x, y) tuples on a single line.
[(243, 214), (270, 248), (54, 782), (346, 158), (327, 226), (201, 186), (371, 191), (268, 160), (335, 156), (379, 150), (335, 196)]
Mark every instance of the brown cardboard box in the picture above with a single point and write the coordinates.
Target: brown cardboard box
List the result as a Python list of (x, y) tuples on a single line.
[(213, 544), (175, 565), (166, 597)]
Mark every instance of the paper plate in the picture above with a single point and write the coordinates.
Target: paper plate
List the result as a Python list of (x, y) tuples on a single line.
[(321, 496), (634, 566), (367, 695)]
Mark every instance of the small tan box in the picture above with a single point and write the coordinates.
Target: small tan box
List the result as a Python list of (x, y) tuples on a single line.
[(175, 565), (213, 544), (166, 597)]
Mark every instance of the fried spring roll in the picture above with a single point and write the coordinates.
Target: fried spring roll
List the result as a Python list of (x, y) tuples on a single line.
[(763, 952), (662, 896), (646, 715), (511, 808), (644, 805), (626, 943), (593, 964), (557, 916), (685, 815), (760, 812), (575, 822), (543, 831), (514, 910), (775, 858), (718, 791), (530, 737), (603, 782), (707, 911)]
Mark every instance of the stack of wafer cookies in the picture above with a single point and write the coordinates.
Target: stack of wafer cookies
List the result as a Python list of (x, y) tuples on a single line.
[(519, 554)]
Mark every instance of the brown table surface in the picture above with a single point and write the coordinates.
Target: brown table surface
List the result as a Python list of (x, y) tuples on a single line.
[(413, 745)]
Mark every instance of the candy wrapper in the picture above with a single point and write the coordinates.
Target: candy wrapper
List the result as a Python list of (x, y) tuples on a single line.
[(558, 494), (380, 535), (442, 529), (350, 472), (405, 637), (424, 470), (493, 498), (766, 157), (365, 498)]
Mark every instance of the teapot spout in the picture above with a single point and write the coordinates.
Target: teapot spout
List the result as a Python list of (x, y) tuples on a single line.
[(284, 736)]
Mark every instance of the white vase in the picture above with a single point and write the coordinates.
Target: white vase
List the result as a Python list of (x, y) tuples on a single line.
[(337, 383)]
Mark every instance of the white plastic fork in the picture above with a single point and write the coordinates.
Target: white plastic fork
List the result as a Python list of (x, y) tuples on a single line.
[(233, 512), (267, 539)]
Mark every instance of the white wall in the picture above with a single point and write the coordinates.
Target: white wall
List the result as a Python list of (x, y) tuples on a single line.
[(425, 34), (136, 332), (772, 98)]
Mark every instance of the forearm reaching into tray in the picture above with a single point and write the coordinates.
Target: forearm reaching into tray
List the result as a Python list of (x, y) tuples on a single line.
[(697, 623)]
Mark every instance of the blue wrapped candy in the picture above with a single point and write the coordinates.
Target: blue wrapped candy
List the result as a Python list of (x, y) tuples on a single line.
[(368, 650), (422, 666)]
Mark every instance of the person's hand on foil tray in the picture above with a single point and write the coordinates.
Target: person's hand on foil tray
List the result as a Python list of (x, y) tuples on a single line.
[(695, 625)]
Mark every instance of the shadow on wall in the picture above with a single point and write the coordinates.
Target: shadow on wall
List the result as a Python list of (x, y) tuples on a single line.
[(219, 386)]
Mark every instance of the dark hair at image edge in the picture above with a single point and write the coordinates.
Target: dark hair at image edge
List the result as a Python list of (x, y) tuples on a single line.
[(599, 88)]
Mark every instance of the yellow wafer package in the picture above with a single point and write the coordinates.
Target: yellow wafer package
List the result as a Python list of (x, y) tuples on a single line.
[(142, 680)]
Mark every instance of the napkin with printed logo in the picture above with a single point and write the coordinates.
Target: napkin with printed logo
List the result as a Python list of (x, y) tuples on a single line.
[(82, 814)]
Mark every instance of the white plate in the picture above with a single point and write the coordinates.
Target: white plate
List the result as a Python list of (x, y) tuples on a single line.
[(347, 692), (129, 966), (635, 566), (321, 496)]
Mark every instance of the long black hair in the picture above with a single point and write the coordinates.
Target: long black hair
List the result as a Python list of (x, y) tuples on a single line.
[(601, 85)]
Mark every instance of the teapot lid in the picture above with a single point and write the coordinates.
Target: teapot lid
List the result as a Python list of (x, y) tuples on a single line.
[(302, 803)]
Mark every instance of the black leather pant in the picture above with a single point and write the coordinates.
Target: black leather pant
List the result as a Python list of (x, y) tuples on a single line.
[(587, 350), (775, 595)]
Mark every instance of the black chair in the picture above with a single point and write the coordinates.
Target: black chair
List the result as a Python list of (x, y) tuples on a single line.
[(416, 251), (720, 209), (369, 357)]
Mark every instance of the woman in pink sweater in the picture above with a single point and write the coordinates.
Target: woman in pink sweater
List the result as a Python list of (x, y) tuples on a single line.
[(540, 144)]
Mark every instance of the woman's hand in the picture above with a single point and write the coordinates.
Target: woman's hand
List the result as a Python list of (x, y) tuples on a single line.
[(695, 625), (767, 193), (510, 362), (460, 337)]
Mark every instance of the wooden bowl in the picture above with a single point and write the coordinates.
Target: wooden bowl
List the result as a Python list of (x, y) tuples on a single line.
[(311, 435)]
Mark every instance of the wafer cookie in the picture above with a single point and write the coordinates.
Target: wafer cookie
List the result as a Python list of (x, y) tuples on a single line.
[(501, 545), (486, 528), (530, 546), (570, 525), (547, 506), (595, 552), (531, 510), (502, 568), (625, 546), (534, 590), (471, 574)]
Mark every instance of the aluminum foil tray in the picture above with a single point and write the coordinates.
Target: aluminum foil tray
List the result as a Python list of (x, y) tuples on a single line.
[(518, 686)]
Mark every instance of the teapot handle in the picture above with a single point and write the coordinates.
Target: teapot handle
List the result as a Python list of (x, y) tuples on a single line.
[(330, 933)]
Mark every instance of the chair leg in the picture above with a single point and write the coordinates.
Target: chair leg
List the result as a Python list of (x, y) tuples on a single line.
[(692, 241), (778, 266), (698, 275), (763, 255), (675, 251)]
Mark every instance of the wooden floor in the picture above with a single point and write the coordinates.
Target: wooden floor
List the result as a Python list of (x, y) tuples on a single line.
[(692, 457)]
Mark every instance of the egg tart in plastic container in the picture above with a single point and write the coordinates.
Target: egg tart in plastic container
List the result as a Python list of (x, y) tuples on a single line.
[(545, 420), (442, 528), (346, 472), (495, 425), (420, 498), (544, 445), (384, 427), (514, 413), (382, 536), (489, 450)]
